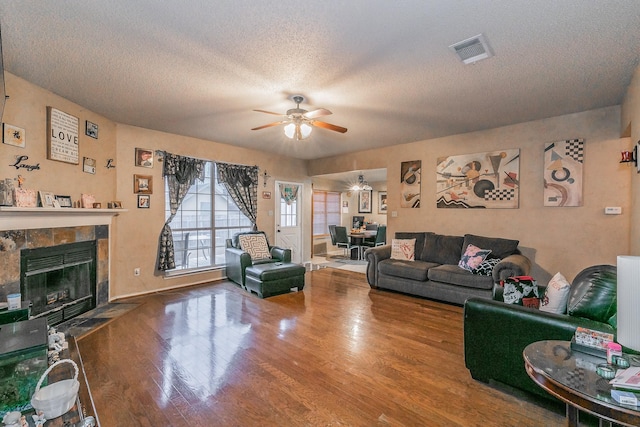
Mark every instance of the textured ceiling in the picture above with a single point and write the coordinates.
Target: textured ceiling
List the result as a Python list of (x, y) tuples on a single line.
[(384, 69)]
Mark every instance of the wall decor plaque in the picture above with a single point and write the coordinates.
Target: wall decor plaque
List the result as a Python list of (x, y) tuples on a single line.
[(62, 136)]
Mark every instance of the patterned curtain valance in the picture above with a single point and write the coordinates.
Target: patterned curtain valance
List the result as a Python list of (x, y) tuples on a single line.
[(289, 193), (184, 169)]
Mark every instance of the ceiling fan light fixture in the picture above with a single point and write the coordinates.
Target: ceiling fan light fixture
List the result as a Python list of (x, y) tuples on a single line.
[(361, 185), (297, 131)]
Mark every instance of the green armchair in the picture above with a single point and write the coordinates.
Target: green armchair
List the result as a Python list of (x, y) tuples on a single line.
[(495, 333), (237, 259)]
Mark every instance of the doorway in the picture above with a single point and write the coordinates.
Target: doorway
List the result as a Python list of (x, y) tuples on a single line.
[(288, 218)]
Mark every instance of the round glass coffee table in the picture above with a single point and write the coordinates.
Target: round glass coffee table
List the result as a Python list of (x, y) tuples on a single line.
[(571, 377)]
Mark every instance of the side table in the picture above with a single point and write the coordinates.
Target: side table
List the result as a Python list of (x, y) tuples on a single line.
[(571, 377)]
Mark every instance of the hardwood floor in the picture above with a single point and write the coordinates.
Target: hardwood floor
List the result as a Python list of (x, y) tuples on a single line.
[(336, 354)]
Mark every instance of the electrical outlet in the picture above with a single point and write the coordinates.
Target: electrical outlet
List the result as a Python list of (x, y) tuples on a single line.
[(136, 271)]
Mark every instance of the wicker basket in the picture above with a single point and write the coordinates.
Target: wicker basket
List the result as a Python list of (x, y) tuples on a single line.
[(57, 398)]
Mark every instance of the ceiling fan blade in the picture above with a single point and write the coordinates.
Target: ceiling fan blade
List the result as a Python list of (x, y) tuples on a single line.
[(269, 125), (320, 112), (329, 126), (269, 112)]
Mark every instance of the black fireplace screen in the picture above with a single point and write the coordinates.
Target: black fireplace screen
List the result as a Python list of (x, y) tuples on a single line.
[(59, 281)]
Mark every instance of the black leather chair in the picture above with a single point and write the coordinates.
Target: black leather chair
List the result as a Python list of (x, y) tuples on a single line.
[(496, 333), (237, 260)]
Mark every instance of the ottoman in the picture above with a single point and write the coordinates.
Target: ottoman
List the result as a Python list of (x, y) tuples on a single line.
[(274, 278)]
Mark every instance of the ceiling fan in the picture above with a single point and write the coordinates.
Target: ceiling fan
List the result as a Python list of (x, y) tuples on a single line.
[(299, 122)]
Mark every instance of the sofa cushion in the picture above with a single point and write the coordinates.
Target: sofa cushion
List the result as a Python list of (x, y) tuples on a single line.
[(419, 236), (556, 295), (593, 293), (412, 270), (472, 257), (442, 249), (500, 248), (454, 275), (403, 249)]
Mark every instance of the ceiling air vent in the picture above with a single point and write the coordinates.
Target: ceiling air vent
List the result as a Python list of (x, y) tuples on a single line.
[(473, 49)]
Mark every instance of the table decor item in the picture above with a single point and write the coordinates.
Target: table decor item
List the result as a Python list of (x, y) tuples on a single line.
[(57, 398)]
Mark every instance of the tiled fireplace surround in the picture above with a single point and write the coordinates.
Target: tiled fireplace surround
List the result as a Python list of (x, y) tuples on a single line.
[(13, 240)]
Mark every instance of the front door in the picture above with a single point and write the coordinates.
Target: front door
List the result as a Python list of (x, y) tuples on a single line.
[(288, 218)]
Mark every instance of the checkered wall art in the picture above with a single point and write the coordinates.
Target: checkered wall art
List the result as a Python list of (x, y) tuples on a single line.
[(563, 164)]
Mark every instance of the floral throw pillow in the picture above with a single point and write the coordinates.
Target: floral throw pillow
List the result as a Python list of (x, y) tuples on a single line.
[(472, 258), (403, 249)]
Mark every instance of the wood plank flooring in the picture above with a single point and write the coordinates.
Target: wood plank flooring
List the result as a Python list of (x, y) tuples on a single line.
[(336, 354)]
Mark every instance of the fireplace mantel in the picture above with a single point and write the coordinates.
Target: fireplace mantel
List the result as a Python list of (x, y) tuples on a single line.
[(12, 218)]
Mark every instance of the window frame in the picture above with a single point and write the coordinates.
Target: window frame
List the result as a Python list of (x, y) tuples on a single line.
[(206, 220), (325, 214)]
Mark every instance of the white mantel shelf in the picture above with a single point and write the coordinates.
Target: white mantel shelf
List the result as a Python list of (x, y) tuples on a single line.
[(12, 218)]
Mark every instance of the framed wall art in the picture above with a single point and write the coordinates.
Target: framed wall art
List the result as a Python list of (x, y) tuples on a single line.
[(91, 129), (382, 202), (143, 184), (89, 165), (144, 157), (13, 135), (563, 164), (144, 201), (410, 184), (62, 141), (364, 201)]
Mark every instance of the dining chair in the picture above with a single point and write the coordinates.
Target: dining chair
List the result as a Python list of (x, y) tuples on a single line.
[(342, 240), (380, 238), (332, 233)]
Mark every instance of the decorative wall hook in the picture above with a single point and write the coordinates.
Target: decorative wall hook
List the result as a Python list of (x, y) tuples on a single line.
[(265, 177), (110, 164)]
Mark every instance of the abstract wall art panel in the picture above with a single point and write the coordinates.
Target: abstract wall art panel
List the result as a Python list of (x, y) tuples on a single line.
[(410, 184), (563, 164), (487, 180)]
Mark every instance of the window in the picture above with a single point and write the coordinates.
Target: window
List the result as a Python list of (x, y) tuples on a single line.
[(326, 211), (207, 217)]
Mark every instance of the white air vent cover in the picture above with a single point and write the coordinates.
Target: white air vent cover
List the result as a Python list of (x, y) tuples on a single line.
[(473, 49)]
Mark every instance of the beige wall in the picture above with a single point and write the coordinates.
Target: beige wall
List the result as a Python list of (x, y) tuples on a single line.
[(27, 109), (630, 126), (139, 229), (134, 235), (557, 239)]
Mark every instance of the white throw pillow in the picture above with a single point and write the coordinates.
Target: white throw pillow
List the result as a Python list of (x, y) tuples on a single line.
[(255, 244), (403, 249), (556, 295)]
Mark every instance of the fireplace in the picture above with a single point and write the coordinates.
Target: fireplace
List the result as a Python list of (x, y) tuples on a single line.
[(51, 229), (60, 281)]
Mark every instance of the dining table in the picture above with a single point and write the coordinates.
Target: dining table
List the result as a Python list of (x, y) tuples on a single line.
[(357, 239)]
